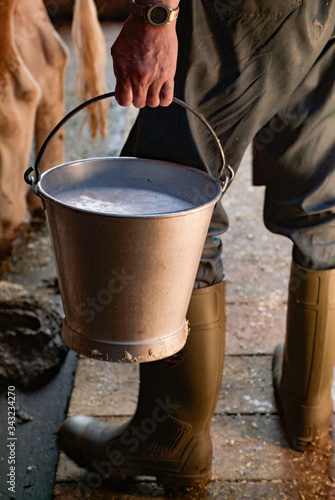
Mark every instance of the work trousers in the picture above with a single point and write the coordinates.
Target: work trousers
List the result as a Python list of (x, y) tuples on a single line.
[(261, 72)]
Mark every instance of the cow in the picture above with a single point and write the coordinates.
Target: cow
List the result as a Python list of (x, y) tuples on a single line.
[(33, 61)]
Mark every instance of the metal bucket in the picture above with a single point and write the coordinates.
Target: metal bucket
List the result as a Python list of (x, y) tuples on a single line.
[(126, 280)]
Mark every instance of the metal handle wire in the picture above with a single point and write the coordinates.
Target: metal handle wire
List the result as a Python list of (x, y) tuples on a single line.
[(32, 175)]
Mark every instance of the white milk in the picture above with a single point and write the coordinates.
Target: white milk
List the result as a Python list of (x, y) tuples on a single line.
[(123, 201)]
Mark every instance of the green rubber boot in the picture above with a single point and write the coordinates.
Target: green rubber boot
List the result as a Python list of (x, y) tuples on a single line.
[(169, 435), (303, 367)]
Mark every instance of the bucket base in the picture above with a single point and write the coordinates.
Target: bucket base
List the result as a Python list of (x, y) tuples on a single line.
[(125, 352)]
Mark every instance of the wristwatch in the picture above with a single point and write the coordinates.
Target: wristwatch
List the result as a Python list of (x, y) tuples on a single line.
[(157, 14)]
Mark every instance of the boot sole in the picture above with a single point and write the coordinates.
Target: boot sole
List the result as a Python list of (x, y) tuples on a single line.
[(172, 481), (301, 444), (187, 482)]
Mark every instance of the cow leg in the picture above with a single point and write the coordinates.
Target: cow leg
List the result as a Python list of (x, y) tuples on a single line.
[(19, 99), (46, 55)]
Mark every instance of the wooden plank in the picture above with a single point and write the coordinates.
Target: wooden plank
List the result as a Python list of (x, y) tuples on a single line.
[(111, 389), (267, 490), (101, 388), (246, 386), (254, 328)]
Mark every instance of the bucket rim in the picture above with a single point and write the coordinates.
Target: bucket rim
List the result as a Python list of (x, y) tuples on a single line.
[(44, 195)]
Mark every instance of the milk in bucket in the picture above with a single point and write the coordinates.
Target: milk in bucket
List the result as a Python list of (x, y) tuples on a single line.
[(126, 201)]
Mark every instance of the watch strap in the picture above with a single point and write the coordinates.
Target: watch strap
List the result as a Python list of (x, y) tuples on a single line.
[(174, 14), (138, 10)]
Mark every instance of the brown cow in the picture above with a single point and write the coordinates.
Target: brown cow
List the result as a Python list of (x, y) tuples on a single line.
[(32, 66)]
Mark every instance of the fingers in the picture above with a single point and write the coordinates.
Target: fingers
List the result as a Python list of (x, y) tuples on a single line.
[(153, 95), (166, 93), (123, 94), (139, 96), (160, 95)]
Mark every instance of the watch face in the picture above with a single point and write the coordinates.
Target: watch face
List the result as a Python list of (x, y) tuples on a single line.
[(158, 15)]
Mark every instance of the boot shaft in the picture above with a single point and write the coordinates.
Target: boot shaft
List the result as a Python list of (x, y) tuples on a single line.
[(309, 354), (190, 380)]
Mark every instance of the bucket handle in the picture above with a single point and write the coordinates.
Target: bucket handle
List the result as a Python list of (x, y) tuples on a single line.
[(225, 174)]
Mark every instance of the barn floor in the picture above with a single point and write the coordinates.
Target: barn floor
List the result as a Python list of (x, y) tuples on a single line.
[(251, 456)]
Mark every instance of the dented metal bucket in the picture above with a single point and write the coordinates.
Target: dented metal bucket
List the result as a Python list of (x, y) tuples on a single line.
[(126, 280)]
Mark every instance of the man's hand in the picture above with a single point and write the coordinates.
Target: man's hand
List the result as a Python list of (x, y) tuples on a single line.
[(145, 60)]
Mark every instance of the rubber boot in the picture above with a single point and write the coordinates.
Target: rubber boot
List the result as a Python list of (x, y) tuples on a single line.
[(169, 435), (303, 366)]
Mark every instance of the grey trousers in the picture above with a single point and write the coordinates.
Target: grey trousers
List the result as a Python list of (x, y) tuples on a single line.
[(262, 72)]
